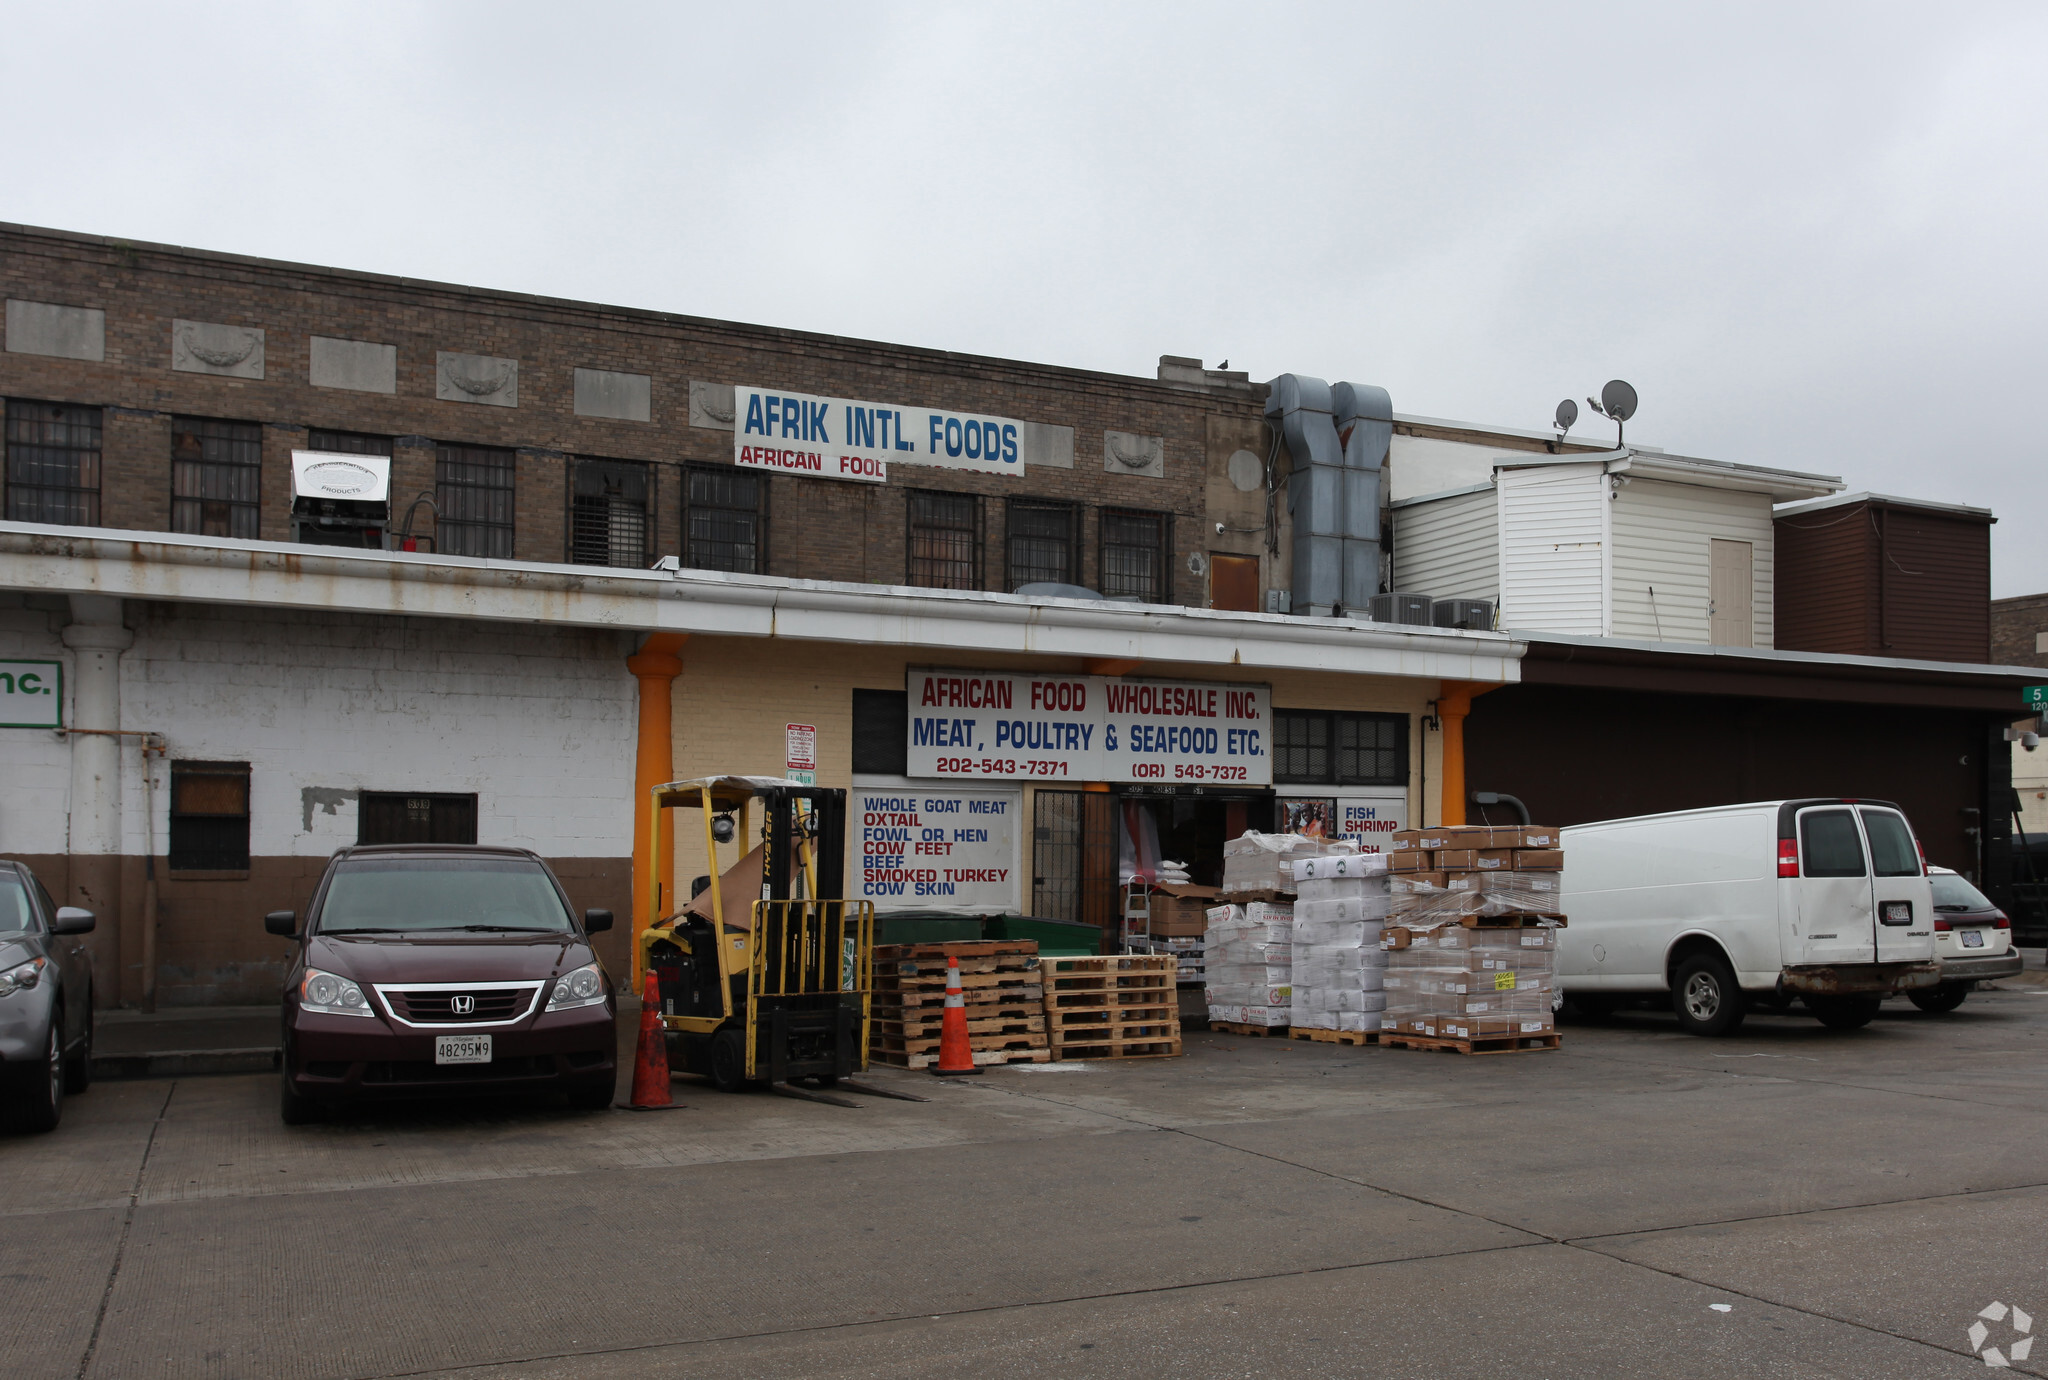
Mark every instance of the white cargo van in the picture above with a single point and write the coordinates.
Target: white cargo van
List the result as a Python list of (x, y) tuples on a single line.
[(1823, 900)]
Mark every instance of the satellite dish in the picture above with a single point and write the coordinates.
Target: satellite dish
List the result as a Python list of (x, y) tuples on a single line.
[(1618, 400), (1567, 413)]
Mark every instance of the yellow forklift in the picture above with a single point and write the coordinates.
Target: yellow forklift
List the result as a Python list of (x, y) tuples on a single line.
[(766, 973)]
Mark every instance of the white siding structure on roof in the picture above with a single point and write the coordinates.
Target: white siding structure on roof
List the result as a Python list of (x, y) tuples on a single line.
[(1554, 545), (1449, 548), (1661, 536)]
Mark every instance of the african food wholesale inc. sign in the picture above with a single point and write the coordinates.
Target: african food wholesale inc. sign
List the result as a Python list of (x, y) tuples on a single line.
[(929, 849), (31, 694), (1043, 727)]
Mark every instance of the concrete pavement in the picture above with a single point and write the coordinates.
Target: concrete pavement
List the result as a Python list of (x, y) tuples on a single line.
[(1255, 1207)]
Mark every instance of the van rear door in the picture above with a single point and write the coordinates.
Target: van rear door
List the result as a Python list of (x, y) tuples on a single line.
[(1900, 891), (1836, 924)]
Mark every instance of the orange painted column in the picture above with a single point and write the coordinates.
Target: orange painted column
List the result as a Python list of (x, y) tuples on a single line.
[(656, 666), (1454, 702)]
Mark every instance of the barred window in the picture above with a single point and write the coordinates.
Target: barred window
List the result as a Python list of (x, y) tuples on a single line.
[(216, 474), (473, 486), (611, 507), (1041, 542), (347, 442), (944, 540), (1134, 551), (209, 817), (723, 526), (1312, 746), (53, 463)]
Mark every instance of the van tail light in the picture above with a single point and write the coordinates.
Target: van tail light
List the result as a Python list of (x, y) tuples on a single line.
[(2004, 921), (1788, 857), (1923, 854), (1942, 926)]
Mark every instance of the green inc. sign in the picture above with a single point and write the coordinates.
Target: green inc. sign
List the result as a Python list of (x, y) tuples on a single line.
[(2036, 697), (31, 694)]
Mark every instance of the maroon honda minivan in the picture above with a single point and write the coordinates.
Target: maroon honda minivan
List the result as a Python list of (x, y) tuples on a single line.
[(439, 969)]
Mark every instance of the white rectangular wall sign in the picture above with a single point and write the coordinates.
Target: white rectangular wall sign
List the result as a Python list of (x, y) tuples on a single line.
[(31, 694), (923, 848), (993, 724), (1367, 819), (843, 438)]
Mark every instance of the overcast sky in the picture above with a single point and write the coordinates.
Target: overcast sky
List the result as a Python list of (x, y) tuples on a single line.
[(1811, 236)]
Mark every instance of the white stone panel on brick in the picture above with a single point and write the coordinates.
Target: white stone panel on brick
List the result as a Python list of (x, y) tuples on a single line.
[(711, 405), (539, 724), (45, 328), (362, 366), (1125, 453), (35, 765), (476, 379), (211, 347), (623, 397), (1043, 444)]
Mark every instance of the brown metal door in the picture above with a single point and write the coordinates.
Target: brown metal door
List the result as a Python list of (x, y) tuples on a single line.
[(1099, 826), (1234, 583)]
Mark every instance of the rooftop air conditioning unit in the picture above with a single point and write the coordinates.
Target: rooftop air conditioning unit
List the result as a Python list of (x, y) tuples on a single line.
[(1412, 610), (1474, 615)]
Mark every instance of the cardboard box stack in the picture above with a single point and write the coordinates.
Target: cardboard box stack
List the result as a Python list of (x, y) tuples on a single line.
[(1248, 955), (1341, 904), (1471, 936)]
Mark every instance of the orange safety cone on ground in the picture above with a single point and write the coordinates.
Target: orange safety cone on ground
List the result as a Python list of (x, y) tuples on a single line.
[(650, 1065), (956, 1055)]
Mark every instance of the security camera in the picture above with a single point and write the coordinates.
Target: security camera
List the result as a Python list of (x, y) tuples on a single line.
[(2030, 741), (1219, 529)]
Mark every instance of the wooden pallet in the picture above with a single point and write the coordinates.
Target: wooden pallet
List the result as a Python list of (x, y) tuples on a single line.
[(982, 1057), (994, 1023), (936, 967), (1338, 1037), (966, 950), (1152, 1048), (1257, 1032), (1153, 1029), (1486, 1044)]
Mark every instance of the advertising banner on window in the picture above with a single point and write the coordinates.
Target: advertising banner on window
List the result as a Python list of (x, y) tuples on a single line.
[(938, 849), (1367, 818), (992, 724), (842, 438)]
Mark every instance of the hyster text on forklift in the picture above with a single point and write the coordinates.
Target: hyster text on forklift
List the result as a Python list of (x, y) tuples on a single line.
[(766, 973)]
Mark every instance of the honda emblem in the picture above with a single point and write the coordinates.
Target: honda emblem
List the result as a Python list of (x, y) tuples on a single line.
[(463, 1004)]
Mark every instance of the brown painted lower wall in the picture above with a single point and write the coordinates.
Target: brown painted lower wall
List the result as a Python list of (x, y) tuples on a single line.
[(211, 946)]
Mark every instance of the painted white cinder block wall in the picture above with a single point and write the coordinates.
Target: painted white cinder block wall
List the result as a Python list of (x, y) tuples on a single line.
[(539, 723)]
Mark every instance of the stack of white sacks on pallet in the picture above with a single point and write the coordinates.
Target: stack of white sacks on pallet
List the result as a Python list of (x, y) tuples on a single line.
[(1248, 957), (1340, 964)]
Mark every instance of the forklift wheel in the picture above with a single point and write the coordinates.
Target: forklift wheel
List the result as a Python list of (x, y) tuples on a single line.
[(728, 1061)]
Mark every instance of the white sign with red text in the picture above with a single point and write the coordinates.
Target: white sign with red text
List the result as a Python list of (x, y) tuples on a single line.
[(1044, 727), (843, 438), (924, 848)]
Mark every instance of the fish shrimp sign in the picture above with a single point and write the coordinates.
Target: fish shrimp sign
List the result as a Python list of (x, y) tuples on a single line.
[(1047, 727)]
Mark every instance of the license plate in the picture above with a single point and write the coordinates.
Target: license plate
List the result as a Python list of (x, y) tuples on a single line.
[(462, 1049), (1972, 939)]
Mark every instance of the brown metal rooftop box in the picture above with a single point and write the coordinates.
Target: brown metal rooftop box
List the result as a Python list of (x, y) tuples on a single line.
[(1871, 575)]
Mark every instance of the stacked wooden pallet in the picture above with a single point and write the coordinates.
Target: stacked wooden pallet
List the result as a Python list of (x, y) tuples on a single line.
[(1000, 990), (1117, 1006)]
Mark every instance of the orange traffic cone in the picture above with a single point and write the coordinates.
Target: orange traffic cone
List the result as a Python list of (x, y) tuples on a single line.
[(956, 1056), (650, 1066)]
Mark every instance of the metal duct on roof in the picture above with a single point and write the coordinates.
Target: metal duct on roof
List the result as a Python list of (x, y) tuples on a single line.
[(1338, 439)]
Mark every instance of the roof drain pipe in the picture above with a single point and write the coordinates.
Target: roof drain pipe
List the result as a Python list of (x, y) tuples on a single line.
[(1365, 426), (1299, 408)]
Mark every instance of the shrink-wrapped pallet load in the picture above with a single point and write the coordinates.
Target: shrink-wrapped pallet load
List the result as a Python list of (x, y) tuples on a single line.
[(1247, 957), (1340, 907)]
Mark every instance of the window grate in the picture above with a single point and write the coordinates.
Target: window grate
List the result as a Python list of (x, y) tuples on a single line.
[(53, 463), (723, 526), (347, 442), (1322, 747), (473, 486), (216, 477), (944, 543), (610, 510), (1134, 547), (1041, 542), (209, 817)]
